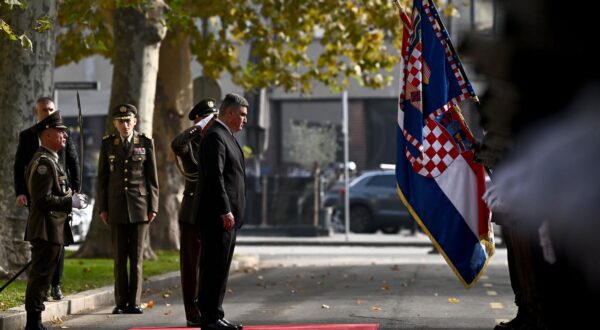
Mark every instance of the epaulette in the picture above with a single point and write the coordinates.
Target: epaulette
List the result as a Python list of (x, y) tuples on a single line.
[(144, 135), (107, 136)]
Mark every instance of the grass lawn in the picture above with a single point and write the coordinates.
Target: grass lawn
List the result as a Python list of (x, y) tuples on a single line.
[(85, 274)]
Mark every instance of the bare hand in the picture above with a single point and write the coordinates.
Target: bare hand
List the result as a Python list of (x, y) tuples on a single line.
[(22, 200), (228, 221), (104, 217), (151, 217)]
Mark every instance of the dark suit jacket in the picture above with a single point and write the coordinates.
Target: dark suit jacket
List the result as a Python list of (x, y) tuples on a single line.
[(186, 147), (127, 179), (28, 145), (221, 187), (50, 200)]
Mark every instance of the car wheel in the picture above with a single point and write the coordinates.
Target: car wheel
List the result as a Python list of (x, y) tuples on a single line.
[(360, 220), (390, 229)]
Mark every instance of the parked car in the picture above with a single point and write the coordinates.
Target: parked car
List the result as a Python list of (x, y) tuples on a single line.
[(374, 204)]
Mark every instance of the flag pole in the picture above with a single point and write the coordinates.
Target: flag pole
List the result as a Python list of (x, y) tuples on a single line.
[(438, 19)]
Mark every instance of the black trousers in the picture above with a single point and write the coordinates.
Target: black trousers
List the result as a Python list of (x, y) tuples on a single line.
[(189, 263), (215, 260), (44, 259)]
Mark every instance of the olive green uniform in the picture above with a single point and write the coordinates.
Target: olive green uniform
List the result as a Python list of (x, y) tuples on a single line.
[(128, 191), (48, 228)]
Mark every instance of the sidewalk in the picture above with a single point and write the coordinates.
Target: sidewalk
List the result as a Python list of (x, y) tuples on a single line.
[(339, 239), (15, 318)]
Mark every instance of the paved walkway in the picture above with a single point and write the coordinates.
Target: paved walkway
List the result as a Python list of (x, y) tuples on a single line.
[(15, 318)]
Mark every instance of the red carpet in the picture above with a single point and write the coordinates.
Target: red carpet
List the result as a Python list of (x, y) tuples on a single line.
[(290, 327)]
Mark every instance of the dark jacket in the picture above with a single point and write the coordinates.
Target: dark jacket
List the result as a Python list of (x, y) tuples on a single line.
[(186, 147), (221, 186), (28, 145), (50, 200), (127, 179)]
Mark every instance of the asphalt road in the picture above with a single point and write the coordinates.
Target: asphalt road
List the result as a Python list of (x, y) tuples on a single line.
[(398, 288)]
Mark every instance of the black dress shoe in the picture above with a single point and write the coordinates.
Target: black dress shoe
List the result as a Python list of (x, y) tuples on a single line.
[(194, 323), (218, 325), (237, 326), (56, 292), (134, 309), (119, 309)]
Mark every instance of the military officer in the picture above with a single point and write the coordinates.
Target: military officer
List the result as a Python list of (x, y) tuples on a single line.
[(186, 147), (128, 202), (51, 202)]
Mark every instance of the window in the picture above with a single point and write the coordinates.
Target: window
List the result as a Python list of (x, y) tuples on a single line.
[(383, 181)]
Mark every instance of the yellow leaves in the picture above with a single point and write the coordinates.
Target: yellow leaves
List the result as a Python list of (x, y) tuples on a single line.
[(376, 308), (453, 300)]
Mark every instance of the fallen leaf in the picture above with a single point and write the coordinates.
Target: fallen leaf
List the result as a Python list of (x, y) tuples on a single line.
[(150, 304), (385, 286), (359, 302), (166, 295), (64, 327), (167, 313), (453, 300), (230, 291), (325, 306), (56, 321), (260, 277), (168, 305), (376, 308)]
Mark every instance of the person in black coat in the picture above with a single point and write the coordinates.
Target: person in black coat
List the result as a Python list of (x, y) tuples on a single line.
[(219, 207), (68, 159), (186, 147)]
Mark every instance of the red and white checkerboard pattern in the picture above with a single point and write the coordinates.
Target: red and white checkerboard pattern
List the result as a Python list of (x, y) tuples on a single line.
[(414, 67), (438, 150)]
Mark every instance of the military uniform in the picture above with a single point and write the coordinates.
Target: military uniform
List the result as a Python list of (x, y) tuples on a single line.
[(128, 192), (48, 229), (186, 147)]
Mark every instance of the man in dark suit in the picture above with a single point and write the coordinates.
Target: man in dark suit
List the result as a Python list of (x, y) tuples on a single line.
[(128, 202), (28, 145), (51, 200), (219, 207), (186, 147)]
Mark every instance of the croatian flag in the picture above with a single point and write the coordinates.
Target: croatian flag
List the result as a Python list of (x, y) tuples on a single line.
[(437, 179)]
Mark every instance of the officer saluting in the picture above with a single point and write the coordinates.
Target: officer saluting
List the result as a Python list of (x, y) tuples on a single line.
[(128, 202), (51, 202)]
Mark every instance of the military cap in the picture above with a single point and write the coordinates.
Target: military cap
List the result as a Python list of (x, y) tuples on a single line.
[(203, 108), (54, 120), (124, 111)]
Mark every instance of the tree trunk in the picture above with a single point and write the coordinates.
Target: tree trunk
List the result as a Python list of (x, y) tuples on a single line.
[(172, 103), (135, 66), (24, 76)]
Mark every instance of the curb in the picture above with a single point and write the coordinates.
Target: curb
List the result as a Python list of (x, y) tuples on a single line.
[(16, 317)]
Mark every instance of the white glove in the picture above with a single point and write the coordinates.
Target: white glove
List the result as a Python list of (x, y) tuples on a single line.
[(79, 201), (202, 123), (493, 200)]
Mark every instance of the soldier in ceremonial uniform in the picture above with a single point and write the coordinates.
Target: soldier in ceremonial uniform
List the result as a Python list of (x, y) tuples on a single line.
[(186, 147), (29, 143), (51, 203), (128, 202)]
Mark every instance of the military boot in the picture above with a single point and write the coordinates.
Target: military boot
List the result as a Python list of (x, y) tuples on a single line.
[(34, 321)]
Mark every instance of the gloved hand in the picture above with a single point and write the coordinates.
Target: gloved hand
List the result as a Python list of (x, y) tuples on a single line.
[(493, 200), (79, 201)]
